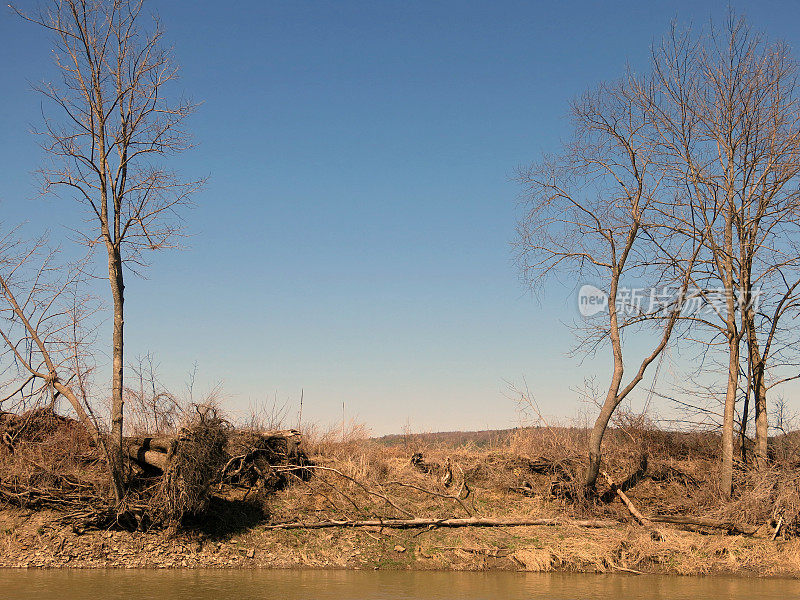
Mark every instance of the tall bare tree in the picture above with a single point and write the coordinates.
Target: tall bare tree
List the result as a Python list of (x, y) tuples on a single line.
[(598, 211), (772, 348), (728, 126), (111, 129)]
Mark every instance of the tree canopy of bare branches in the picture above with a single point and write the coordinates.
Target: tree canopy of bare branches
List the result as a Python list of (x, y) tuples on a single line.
[(46, 332), (597, 211), (728, 124), (685, 177)]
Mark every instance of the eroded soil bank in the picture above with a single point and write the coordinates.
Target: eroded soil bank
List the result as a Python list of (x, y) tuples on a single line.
[(28, 540)]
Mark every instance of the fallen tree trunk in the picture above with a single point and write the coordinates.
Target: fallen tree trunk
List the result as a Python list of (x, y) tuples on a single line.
[(642, 520), (150, 458), (673, 520), (156, 451), (460, 522), (700, 522), (161, 443)]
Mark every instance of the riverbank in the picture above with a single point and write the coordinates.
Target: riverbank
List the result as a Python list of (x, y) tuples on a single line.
[(29, 540), (523, 475)]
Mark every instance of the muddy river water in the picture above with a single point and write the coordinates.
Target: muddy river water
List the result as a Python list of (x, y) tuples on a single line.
[(379, 585)]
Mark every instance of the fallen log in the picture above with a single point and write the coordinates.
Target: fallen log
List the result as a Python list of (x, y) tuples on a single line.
[(673, 520), (161, 443), (454, 522), (150, 458), (155, 451), (700, 522), (642, 520)]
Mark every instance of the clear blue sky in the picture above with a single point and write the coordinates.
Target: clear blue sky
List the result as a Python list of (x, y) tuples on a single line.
[(354, 237)]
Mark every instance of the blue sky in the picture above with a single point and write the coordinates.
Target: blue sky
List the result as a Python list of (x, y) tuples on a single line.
[(354, 237)]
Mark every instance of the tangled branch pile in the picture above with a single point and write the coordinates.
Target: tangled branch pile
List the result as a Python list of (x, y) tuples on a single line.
[(193, 465), (49, 461)]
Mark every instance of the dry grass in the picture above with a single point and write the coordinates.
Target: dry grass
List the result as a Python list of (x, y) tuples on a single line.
[(49, 460), (532, 472), (537, 472)]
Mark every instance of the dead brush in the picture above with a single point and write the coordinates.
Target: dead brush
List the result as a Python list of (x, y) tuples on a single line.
[(764, 496), (351, 450), (356, 477), (194, 464), (48, 460), (549, 461)]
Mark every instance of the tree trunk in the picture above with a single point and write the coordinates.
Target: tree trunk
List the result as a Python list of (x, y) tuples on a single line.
[(726, 474), (116, 449), (762, 424), (612, 396), (745, 415), (599, 430), (760, 397), (725, 260), (759, 389)]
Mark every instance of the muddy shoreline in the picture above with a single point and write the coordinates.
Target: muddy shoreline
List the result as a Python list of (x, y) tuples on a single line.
[(28, 540)]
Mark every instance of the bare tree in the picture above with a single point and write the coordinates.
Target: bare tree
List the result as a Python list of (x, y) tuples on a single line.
[(767, 363), (109, 134), (44, 339), (728, 127), (598, 211)]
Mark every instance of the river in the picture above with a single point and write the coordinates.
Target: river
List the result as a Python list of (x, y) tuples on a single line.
[(378, 585)]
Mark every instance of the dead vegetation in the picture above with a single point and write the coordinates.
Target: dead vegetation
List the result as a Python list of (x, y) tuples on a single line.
[(49, 461), (210, 471), (667, 478)]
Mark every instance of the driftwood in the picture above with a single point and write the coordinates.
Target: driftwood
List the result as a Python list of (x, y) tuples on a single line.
[(465, 522)]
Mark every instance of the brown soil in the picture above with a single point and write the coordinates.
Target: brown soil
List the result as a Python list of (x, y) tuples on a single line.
[(28, 540)]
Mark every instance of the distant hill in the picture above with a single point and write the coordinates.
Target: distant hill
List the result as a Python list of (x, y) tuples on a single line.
[(786, 443), (481, 439)]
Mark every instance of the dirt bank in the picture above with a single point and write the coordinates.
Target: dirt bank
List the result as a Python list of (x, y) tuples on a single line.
[(528, 475), (28, 540)]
